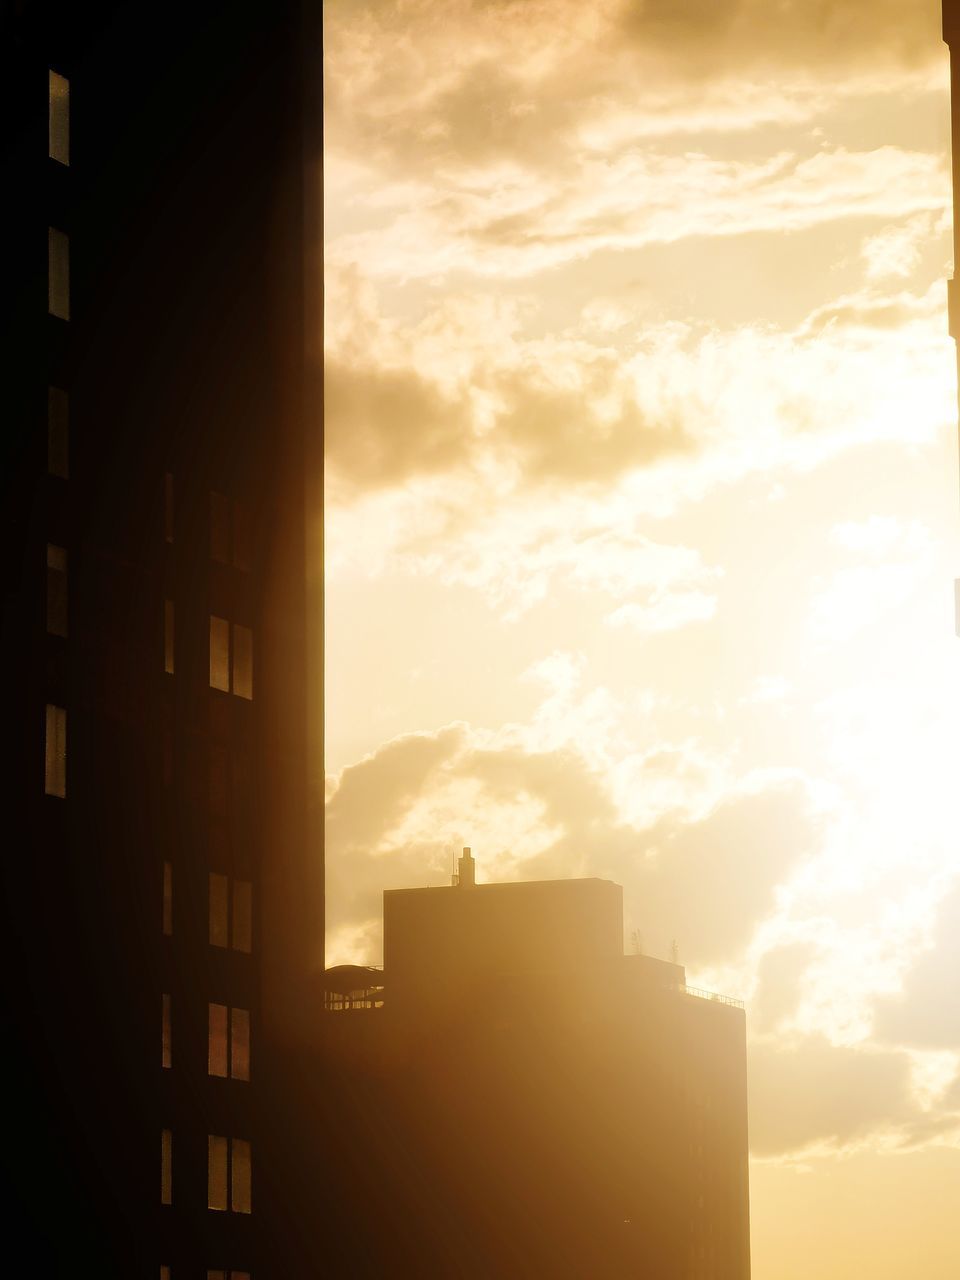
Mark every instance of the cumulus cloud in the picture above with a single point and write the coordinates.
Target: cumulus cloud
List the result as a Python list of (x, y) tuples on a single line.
[(926, 1012), (812, 1093)]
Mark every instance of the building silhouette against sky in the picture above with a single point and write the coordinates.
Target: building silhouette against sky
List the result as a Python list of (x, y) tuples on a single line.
[(528, 1101), (162, 869)]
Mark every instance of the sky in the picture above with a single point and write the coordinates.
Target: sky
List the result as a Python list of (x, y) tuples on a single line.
[(642, 521)]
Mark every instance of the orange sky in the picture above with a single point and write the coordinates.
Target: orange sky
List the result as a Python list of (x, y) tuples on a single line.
[(642, 520)]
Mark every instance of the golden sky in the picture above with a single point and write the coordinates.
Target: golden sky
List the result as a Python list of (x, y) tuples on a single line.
[(642, 520)]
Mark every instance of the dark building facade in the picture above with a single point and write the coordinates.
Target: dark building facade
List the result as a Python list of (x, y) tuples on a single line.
[(528, 1101), (161, 636)]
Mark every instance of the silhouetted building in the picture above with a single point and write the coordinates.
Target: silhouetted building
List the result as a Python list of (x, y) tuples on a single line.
[(528, 1101), (161, 635)]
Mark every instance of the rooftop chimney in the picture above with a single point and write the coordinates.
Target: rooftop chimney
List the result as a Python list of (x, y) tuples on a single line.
[(466, 870)]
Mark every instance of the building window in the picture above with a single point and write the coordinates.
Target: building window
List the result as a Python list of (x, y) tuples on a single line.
[(56, 590), (242, 662), (164, 1272), (59, 118), (231, 657), (168, 899), (55, 752), (240, 1176), (231, 533), (58, 273), (58, 421), (168, 634), (166, 1167), (217, 1157), (231, 927), (168, 506), (228, 1042), (219, 654), (166, 1040)]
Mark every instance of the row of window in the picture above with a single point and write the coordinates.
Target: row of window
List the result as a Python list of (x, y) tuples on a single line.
[(229, 1172), (231, 910), (231, 652), (228, 1040)]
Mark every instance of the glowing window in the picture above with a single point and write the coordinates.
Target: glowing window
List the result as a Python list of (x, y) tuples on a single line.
[(240, 1176), (168, 634), (216, 1172), (228, 1042), (56, 590), (166, 1167), (55, 753), (240, 1044), (219, 654), (58, 431), (217, 1040), (58, 273), (166, 1040), (164, 1272), (168, 899), (243, 662), (59, 118)]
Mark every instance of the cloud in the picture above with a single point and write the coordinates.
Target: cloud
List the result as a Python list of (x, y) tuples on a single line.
[(522, 223), (811, 1093), (926, 1012)]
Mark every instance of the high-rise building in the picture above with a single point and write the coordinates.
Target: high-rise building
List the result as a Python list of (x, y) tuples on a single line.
[(161, 635), (525, 1100)]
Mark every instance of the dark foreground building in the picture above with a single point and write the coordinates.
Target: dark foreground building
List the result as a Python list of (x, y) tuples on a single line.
[(527, 1101), (162, 887)]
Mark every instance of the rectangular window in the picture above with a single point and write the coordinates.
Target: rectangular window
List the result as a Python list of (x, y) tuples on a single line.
[(240, 1176), (217, 1040), (166, 1167), (59, 118), (219, 930), (56, 590), (220, 528), (240, 1044), (168, 899), (168, 506), (242, 916), (242, 661), (167, 1043), (58, 273), (168, 634), (55, 754), (219, 654), (58, 424), (164, 1272), (216, 1172), (231, 928)]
